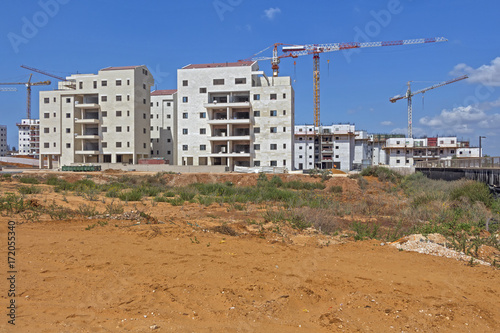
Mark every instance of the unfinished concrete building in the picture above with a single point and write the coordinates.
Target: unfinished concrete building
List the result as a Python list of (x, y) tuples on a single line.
[(97, 118), (3, 140), (232, 114), (29, 137), (164, 125)]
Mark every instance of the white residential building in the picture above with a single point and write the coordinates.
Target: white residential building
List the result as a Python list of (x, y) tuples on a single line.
[(29, 137), (326, 147), (97, 118), (3, 140), (233, 114), (164, 125), (405, 152)]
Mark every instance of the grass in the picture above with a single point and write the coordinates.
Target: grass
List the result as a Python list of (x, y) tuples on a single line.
[(29, 189), (29, 180)]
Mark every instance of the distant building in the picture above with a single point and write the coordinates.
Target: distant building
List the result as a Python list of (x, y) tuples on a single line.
[(407, 151), (29, 137), (98, 118), (164, 125), (3, 140)]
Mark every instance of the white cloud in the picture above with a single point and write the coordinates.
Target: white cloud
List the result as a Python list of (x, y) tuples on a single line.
[(462, 120), (387, 123), (271, 12), (488, 75)]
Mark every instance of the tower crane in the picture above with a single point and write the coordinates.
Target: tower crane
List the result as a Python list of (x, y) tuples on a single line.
[(28, 85), (8, 89), (295, 51), (410, 94), (43, 72)]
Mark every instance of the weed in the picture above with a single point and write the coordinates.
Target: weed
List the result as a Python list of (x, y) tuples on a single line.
[(87, 210), (382, 173), (57, 212), (133, 195), (113, 209), (364, 230), (29, 180), (336, 189), (29, 189), (91, 226), (225, 230), (195, 241)]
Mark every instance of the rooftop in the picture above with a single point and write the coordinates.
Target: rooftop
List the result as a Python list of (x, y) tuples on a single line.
[(119, 68), (163, 92), (222, 64)]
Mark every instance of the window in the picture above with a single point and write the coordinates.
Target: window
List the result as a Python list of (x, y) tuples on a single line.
[(300, 147), (118, 113), (68, 100), (118, 82), (168, 103), (55, 129), (203, 131), (284, 146), (104, 129), (151, 117), (68, 130), (128, 97), (68, 115), (218, 82), (128, 113), (54, 144), (202, 91), (143, 145), (144, 131), (184, 99), (128, 128), (273, 146), (46, 100), (203, 115), (274, 130), (46, 115), (242, 80), (284, 96), (256, 97), (46, 130), (256, 113), (398, 161), (55, 115), (143, 116), (284, 129), (203, 147), (128, 82), (104, 83), (300, 156), (168, 140), (274, 163), (95, 84), (104, 145), (68, 145), (143, 101), (398, 142), (184, 83), (336, 156), (284, 162), (184, 147), (118, 129), (184, 115), (168, 152), (118, 145), (398, 152), (104, 114), (118, 98), (274, 113), (256, 147), (104, 98), (284, 112), (336, 147), (184, 131), (46, 145), (143, 86), (80, 85), (452, 151), (256, 163), (273, 96), (256, 130)]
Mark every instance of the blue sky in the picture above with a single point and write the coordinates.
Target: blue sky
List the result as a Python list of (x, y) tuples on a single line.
[(69, 36)]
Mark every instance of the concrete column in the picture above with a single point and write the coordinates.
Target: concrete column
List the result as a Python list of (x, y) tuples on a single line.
[(40, 161), (50, 162), (134, 158)]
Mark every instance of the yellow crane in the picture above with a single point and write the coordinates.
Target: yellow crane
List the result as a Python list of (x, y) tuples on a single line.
[(28, 85)]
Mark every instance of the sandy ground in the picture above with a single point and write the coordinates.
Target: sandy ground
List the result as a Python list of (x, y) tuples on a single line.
[(181, 276)]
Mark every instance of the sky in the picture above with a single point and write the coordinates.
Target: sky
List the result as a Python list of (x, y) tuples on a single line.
[(64, 37)]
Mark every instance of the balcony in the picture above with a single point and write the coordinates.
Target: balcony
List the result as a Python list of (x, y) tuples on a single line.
[(87, 105), (86, 121), (219, 101)]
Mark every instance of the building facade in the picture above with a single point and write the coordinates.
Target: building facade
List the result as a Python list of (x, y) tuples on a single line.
[(3, 140), (326, 147), (164, 125), (97, 118), (29, 137), (405, 152), (232, 114)]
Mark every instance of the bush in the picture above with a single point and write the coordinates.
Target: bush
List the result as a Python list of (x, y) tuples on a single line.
[(474, 191), (29, 190), (29, 180), (133, 195), (382, 173), (336, 189)]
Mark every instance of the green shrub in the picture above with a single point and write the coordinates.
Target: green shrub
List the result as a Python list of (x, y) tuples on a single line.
[(474, 191), (382, 173), (364, 230), (133, 195), (336, 189), (29, 180), (87, 210), (29, 190)]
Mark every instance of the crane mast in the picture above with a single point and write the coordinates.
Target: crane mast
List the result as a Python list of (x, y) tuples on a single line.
[(409, 96)]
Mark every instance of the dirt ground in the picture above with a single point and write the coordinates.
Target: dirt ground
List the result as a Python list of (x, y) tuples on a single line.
[(182, 276)]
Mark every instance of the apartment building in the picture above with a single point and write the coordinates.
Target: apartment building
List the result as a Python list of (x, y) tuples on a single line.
[(97, 118), (408, 151), (3, 140), (232, 114), (164, 125), (326, 147), (29, 137)]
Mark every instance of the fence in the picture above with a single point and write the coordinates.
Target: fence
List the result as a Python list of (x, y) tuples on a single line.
[(462, 163)]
